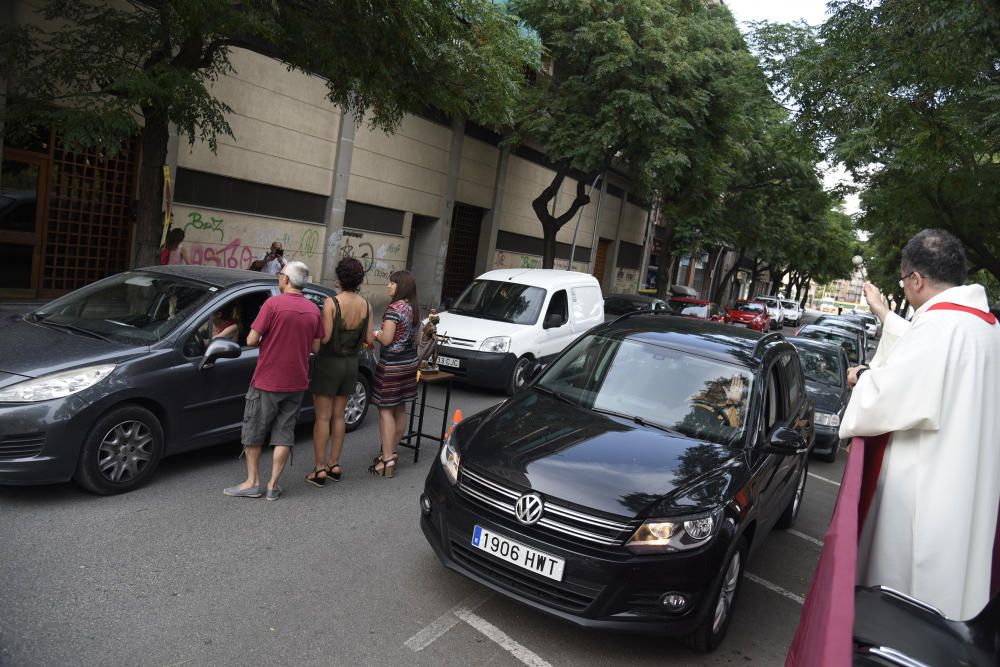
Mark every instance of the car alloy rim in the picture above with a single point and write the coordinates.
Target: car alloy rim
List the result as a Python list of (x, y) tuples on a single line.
[(727, 593), (355, 403), (125, 451)]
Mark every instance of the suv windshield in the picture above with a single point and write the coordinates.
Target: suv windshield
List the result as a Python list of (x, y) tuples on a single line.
[(501, 301), (839, 336), (134, 308), (791, 305), (654, 385), (820, 366)]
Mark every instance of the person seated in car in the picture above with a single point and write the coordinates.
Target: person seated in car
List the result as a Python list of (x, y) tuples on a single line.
[(225, 324)]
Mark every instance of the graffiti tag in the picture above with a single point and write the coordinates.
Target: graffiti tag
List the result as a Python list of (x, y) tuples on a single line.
[(235, 255), (212, 224)]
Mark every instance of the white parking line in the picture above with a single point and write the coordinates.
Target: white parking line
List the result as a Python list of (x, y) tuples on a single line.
[(445, 622), (774, 587), (824, 479), (497, 635), (807, 538)]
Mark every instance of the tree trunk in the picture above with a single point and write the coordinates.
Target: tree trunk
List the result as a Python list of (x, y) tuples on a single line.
[(726, 279), (551, 224), (149, 209), (664, 262), (804, 293)]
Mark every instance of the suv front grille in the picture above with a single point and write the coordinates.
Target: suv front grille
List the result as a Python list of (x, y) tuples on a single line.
[(556, 518), (569, 596)]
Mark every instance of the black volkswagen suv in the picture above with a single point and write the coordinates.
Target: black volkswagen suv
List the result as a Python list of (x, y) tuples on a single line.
[(625, 487)]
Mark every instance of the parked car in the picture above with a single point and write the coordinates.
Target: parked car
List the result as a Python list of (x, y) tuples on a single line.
[(792, 312), (509, 318), (891, 628), (844, 322), (752, 315), (616, 305), (698, 308), (100, 384), (774, 308), (625, 487), (851, 340), (872, 324), (825, 368)]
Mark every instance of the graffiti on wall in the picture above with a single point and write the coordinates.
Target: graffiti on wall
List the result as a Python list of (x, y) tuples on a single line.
[(234, 240), (511, 260)]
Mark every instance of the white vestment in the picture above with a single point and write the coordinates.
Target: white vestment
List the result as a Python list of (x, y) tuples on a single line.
[(935, 387)]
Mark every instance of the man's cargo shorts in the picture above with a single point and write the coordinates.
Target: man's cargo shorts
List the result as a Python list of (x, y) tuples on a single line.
[(270, 412)]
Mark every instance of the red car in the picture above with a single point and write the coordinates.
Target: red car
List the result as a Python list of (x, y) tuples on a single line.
[(752, 314), (698, 308)]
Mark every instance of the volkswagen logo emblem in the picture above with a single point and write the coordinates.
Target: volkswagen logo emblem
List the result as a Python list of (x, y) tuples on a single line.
[(528, 509)]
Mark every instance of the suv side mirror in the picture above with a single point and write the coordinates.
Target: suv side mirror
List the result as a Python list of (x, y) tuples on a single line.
[(786, 442), (219, 348)]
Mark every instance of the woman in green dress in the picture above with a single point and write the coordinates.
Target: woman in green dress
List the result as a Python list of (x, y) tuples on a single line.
[(347, 325)]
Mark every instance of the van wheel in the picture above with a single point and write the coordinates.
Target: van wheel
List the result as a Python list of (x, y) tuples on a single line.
[(519, 376)]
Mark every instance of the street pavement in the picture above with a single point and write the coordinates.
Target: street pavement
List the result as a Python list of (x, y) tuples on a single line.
[(175, 573)]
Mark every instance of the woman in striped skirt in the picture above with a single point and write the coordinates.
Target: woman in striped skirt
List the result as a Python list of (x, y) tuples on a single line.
[(396, 374)]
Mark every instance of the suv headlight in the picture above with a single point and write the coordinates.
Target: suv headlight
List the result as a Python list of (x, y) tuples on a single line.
[(826, 419), (450, 460), (57, 385), (666, 535), (496, 344)]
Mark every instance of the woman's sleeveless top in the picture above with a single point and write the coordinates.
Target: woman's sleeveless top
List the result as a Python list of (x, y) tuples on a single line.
[(344, 342)]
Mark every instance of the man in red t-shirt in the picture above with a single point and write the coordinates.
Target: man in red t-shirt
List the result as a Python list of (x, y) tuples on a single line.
[(286, 329)]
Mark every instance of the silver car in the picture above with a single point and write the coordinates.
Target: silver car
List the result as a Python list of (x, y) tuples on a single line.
[(774, 308), (792, 312)]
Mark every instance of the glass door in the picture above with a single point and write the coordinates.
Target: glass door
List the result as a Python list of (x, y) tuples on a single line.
[(22, 183)]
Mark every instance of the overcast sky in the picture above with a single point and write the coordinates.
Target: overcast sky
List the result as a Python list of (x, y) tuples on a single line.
[(778, 11), (812, 12)]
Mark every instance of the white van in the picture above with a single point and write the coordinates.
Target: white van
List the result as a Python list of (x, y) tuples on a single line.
[(508, 318)]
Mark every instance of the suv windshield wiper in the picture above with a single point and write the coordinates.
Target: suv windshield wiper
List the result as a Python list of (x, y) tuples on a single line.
[(70, 327), (637, 419)]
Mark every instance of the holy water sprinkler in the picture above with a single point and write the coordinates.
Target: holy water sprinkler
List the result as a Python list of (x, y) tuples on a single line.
[(859, 264)]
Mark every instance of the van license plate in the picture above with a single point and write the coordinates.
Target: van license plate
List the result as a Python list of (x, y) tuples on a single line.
[(517, 553), (448, 361)]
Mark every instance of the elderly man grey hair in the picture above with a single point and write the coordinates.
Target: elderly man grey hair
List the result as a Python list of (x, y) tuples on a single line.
[(298, 274)]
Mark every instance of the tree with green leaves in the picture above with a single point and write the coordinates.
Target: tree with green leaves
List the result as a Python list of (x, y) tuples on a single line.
[(101, 71), (630, 82), (906, 94)]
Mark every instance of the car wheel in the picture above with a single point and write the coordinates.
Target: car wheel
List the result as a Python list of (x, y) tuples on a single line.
[(357, 404), (707, 636), (121, 452), (519, 376), (791, 513)]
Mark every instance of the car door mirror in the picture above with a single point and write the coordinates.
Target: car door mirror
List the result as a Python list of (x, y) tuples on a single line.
[(786, 442), (553, 320), (219, 348)]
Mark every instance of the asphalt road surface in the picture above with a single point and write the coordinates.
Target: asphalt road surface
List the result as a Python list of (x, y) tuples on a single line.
[(178, 574)]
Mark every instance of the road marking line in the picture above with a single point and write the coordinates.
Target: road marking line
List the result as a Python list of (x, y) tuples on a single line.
[(775, 587), (519, 651), (444, 622), (807, 538), (824, 479)]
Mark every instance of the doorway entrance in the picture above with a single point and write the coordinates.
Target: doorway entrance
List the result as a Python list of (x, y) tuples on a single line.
[(463, 245), (601, 260), (23, 177)]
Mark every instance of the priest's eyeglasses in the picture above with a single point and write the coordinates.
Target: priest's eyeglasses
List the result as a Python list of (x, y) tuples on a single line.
[(905, 277)]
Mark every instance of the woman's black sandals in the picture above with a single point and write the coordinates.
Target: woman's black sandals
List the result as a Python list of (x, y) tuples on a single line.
[(314, 477), (335, 476)]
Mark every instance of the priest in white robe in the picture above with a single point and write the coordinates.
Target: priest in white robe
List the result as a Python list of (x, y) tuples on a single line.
[(934, 386)]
